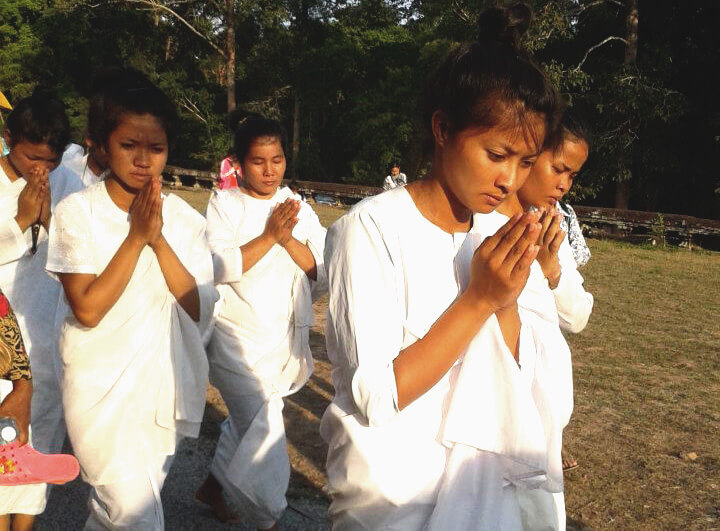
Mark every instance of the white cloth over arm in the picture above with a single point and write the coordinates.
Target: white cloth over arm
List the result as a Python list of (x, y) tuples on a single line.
[(259, 351), (391, 274), (574, 304), (136, 382)]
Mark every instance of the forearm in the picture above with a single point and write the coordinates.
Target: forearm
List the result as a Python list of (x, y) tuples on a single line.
[(90, 301), (425, 362), (302, 256), (254, 250), (178, 279)]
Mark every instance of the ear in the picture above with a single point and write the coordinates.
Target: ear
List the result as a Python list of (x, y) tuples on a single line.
[(440, 127), (7, 137)]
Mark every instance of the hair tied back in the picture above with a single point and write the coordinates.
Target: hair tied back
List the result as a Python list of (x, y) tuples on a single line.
[(504, 26)]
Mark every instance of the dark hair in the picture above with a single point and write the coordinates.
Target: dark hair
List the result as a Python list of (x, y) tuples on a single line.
[(40, 118), (494, 80), (572, 127), (117, 91), (251, 126)]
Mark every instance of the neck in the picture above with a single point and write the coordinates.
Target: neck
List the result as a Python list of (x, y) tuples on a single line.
[(438, 204), (511, 206), (122, 195)]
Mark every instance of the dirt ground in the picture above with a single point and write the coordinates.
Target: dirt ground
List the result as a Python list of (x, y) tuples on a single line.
[(646, 424)]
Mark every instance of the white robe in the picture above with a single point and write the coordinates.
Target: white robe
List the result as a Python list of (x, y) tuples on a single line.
[(78, 164), (392, 273), (259, 351), (134, 384), (34, 296)]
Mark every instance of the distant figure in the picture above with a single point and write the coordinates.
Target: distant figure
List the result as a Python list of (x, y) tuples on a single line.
[(395, 178), (230, 173)]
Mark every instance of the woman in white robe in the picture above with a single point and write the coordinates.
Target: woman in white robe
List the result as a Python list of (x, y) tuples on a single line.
[(420, 310), (31, 185), (267, 250), (137, 275), (551, 178)]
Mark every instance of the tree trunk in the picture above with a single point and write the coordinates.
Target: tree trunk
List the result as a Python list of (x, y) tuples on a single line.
[(230, 51), (296, 136), (622, 189)]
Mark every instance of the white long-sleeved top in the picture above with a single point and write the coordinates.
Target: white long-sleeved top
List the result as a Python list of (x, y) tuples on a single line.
[(135, 383), (265, 312), (391, 274)]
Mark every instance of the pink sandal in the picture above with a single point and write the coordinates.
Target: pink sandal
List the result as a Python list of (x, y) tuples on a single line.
[(23, 465)]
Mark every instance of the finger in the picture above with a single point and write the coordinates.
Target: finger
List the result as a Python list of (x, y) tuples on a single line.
[(545, 221), (512, 236), (552, 230), (554, 246), (527, 239), (522, 266), (492, 242)]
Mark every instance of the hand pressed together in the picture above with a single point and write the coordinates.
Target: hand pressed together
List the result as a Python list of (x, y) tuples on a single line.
[(282, 221), (146, 221), (34, 199), (501, 265), (549, 240)]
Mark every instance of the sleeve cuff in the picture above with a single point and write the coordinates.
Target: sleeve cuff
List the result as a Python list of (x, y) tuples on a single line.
[(228, 266)]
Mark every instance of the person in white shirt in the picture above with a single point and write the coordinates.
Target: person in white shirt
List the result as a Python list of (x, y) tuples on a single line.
[(31, 186), (137, 276), (395, 179), (442, 402), (268, 253), (564, 248)]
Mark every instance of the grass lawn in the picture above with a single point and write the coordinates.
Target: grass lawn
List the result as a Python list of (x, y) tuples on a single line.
[(646, 426)]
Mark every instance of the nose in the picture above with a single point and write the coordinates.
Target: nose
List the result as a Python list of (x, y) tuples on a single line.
[(564, 184), (508, 178), (142, 158)]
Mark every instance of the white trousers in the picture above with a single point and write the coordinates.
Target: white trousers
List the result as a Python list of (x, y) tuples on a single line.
[(130, 505), (251, 461)]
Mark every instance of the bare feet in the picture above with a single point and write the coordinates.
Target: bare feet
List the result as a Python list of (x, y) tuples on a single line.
[(568, 461), (211, 494)]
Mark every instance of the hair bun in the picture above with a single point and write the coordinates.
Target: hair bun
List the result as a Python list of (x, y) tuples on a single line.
[(504, 25), (238, 117)]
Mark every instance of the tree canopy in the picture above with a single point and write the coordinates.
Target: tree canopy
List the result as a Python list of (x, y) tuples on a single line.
[(345, 76)]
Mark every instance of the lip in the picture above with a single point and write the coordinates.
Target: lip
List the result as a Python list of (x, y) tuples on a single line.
[(493, 200)]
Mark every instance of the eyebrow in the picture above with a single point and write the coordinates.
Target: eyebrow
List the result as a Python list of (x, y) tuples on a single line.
[(511, 151)]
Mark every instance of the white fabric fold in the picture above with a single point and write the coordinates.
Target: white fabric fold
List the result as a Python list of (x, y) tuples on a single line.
[(136, 382)]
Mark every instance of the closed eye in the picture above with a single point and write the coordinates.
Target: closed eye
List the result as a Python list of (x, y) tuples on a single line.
[(495, 157)]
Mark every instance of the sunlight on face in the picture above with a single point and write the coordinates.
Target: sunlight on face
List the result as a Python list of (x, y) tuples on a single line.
[(482, 166), (137, 149), (264, 167), (553, 174)]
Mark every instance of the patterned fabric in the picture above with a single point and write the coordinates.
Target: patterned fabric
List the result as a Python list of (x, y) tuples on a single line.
[(14, 363), (570, 224)]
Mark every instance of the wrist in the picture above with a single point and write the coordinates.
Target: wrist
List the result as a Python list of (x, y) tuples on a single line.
[(478, 307), (135, 242), (23, 222), (554, 278), (158, 242)]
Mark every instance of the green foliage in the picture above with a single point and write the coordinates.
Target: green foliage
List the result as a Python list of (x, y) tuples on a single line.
[(351, 73)]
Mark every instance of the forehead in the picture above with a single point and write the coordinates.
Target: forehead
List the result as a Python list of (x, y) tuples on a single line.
[(572, 153), (522, 138), (265, 146), (145, 126), (40, 150)]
